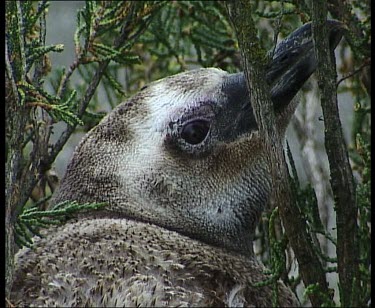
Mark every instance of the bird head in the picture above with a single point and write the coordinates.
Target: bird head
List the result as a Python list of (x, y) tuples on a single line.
[(184, 153)]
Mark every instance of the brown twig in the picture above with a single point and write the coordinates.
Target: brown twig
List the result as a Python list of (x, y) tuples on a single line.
[(9, 303), (356, 71), (39, 104)]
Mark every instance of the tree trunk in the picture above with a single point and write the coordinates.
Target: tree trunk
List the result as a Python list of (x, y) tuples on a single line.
[(341, 174), (310, 268)]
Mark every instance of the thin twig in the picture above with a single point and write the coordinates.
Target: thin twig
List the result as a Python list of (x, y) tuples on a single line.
[(9, 303), (21, 29), (278, 27), (356, 71), (9, 70), (66, 77), (119, 41)]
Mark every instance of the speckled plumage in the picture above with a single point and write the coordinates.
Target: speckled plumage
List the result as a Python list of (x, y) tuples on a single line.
[(124, 263), (181, 215)]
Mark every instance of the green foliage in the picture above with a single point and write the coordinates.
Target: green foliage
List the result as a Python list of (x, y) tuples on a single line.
[(31, 219), (100, 27), (360, 154), (307, 203), (277, 261), (282, 17), (121, 46), (361, 136), (183, 33), (364, 221), (28, 67), (315, 289), (25, 42)]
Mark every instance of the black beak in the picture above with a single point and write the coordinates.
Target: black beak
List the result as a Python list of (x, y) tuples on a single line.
[(292, 64), (294, 61)]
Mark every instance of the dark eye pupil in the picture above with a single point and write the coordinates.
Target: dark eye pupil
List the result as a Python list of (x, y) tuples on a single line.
[(195, 132)]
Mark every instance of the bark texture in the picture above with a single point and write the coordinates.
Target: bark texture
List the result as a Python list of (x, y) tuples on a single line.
[(341, 174), (310, 267)]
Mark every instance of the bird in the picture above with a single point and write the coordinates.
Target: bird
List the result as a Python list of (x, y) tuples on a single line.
[(183, 172)]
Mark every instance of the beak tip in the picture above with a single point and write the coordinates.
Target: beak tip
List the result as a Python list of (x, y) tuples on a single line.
[(337, 30)]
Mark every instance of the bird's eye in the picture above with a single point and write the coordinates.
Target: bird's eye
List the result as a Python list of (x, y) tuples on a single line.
[(195, 132)]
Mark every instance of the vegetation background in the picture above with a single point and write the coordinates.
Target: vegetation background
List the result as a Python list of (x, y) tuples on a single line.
[(69, 63)]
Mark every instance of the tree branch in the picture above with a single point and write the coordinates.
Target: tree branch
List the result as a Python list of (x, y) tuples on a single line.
[(341, 174), (253, 56)]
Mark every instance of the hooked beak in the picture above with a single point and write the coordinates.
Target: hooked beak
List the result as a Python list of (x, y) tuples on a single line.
[(294, 61), (292, 64)]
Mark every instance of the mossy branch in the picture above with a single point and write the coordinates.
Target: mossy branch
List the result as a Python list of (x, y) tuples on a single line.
[(254, 59), (342, 182), (277, 257)]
